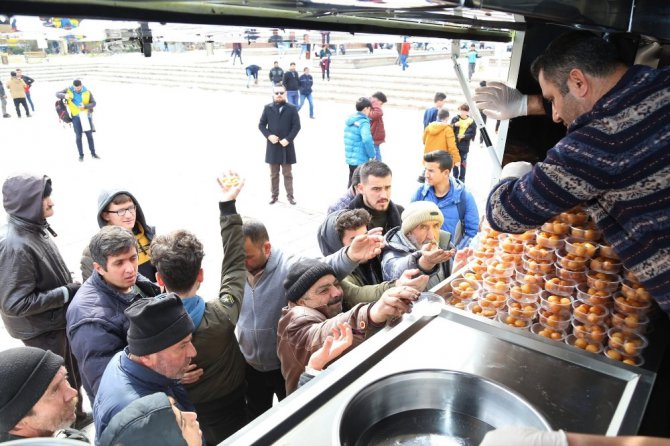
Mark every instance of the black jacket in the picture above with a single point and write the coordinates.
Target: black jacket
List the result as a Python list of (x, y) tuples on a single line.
[(276, 75), (291, 81), (33, 274), (284, 124)]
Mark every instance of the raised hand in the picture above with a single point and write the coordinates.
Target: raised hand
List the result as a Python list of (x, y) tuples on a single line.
[(231, 184), (333, 347)]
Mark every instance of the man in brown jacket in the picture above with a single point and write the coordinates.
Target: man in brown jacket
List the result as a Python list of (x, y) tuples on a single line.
[(218, 392), (315, 308), (17, 88), (376, 116)]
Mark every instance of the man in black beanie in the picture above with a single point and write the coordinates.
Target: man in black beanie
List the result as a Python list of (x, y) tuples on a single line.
[(36, 400), (315, 309), (158, 354), (37, 286)]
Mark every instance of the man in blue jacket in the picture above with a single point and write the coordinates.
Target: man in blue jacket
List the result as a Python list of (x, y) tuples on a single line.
[(461, 217), (358, 143)]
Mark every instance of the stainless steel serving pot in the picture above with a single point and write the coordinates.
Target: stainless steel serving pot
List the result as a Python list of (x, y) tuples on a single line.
[(431, 407)]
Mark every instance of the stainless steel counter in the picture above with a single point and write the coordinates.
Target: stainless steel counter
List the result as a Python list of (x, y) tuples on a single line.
[(574, 390)]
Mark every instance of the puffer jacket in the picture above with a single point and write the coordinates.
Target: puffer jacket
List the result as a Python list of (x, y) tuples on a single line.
[(303, 330), (33, 274), (400, 254), (97, 327), (440, 136), (358, 144), (148, 420), (104, 198)]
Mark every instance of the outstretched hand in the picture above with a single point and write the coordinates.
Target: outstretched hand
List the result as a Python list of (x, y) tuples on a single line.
[(394, 303), (333, 347), (413, 278), (231, 184), (365, 246), (498, 101)]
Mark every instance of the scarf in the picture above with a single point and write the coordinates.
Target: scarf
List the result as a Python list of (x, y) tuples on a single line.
[(195, 307)]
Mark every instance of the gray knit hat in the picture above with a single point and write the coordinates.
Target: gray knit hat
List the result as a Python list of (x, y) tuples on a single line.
[(420, 212), (303, 275), (25, 374), (157, 323)]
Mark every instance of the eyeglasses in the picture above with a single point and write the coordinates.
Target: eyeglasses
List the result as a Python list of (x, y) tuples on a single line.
[(122, 212), (279, 93)]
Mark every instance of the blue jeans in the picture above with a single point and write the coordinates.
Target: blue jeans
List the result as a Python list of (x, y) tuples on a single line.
[(293, 97), (378, 153), (311, 104), (76, 125), (30, 101), (403, 61)]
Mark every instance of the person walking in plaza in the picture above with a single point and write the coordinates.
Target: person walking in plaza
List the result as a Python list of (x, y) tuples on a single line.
[(404, 53), (252, 73), (29, 83), (439, 135), (377, 100), (276, 74), (17, 89), (37, 285), (358, 143), (3, 101), (465, 129), (291, 82), (430, 115), (236, 53), (305, 47), (324, 62), (80, 102), (280, 124), (306, 82), (473, 55)]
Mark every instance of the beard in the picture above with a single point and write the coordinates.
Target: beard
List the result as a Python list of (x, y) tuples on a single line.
[(414, 241), (280, 100)]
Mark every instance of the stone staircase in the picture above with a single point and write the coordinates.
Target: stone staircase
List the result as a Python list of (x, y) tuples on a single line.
[(409, 89)]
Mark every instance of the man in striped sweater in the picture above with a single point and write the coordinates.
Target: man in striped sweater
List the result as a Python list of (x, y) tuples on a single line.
[(615, 157)]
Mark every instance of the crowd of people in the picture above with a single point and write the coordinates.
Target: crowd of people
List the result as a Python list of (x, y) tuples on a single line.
[(152, 355)]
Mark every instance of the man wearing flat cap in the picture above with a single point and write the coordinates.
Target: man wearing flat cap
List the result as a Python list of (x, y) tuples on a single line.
[(159, 352), (315, 309), (36, 400), (419, 243)]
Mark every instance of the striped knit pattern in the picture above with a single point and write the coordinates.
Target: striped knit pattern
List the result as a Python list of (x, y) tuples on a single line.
[(616, 161)]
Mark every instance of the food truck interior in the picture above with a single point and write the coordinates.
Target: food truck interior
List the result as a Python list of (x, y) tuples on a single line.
[(639, 28)]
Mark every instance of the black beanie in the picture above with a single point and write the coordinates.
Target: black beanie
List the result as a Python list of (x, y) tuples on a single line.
[(25, 374), (303, 275), (157, 323), (47, 188)]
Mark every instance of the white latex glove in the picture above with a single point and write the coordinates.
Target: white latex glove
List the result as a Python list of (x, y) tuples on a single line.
[(517, 169), (498, 101), (524, 436)]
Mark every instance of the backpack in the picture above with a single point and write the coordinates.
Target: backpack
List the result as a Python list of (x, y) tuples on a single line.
[(62, 111)]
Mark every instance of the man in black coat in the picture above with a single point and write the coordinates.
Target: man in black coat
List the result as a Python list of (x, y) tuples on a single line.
[(280, 125)]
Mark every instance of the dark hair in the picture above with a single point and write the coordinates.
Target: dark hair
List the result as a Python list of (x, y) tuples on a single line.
[(441, 157), (374, 168), (442, 114), (439, 97), (482, 84), (110, 241), (120, 199), (381, 96), (292, 64), (362, 103), (255, 231), (576, 49), (178, 257), (464, 107), (352, 219), (76, 83), (12, 73), (356, 176)]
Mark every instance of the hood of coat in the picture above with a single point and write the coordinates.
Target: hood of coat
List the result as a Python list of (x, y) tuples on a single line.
[(356, 118), (435, 128), (329, 240), (148, 420), (107, 195), (22, 196), (394, 239)]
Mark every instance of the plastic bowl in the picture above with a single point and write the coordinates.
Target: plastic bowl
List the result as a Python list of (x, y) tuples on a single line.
[(475, 308), (509, 244), (496, 284), (574, 217), (605, 265), (526, 310), (555, 226), (631, 306), (590, 233), (560, 321), (626, 359), (626, 342), (526, 292), (499, 268), (492, 300), (635, 291), (555, 304), (592, 296), (529, 277), (549, 240), (537, 266), (571, 261), (605, 250), (540, 253), (593, 333), (564, 273), (583, 344), (463, 288), (512, 321), (580, 248), (631, 322), (589, 314), (561, 287), (602, 281), (545, 332)]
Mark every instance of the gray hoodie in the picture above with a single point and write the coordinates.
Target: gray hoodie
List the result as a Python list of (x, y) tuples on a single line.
[(106, 196)]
